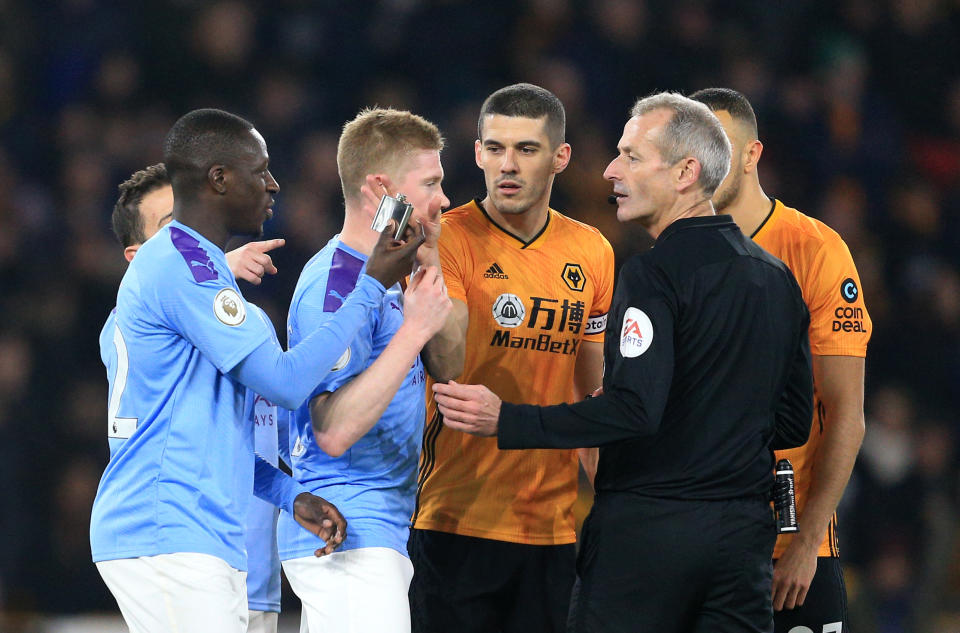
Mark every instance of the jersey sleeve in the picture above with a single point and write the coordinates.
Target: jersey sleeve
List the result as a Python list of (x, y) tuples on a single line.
[(212, 315), (839, 322), (794, 411), (274, 486), (312, 311), (453, 262), (602, 272)]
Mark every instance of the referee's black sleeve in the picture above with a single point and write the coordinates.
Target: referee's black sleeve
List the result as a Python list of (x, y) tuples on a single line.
[(795, 411), (593, 422), (635, 388)]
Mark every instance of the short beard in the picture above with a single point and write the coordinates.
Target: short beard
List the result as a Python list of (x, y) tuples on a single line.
[(723, 199)]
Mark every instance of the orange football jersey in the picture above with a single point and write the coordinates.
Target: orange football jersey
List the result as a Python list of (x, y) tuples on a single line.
[(531, 305), (839, 323)]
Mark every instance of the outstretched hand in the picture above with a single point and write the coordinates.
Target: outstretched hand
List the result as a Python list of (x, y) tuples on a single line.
[(322, 518), (251, 262), (473, 409), (392, 260)]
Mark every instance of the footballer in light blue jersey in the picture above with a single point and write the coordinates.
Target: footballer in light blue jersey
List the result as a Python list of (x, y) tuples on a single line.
[(182, 460), (269, 423), (374, 482), (144, 206)]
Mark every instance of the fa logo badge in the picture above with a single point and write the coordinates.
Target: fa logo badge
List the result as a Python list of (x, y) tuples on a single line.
[(636, 335), (229, 308), (508, 310), (573, 276), (849, 290)]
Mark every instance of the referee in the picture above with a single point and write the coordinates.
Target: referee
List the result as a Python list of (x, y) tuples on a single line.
[(707, 369)]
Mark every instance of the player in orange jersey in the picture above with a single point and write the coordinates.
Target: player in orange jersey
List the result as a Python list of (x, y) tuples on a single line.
[(493, 538), (808, 589)]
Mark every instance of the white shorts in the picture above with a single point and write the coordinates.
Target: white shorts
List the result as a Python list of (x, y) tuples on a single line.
[(263, 622), (360, 590), (183, 592)]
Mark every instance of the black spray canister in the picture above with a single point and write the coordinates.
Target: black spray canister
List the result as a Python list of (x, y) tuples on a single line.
[(784, 498)]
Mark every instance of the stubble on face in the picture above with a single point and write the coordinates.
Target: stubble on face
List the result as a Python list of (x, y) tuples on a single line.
[(729, 189)]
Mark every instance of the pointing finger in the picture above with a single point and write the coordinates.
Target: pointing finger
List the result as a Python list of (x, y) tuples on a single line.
[(265, 246)]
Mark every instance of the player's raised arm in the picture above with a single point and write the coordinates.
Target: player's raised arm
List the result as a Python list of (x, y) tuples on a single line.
[(444, 353), (287, 378), (344, 416)]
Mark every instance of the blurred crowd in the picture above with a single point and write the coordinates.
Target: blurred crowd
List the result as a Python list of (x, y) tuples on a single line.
[(859, 110)]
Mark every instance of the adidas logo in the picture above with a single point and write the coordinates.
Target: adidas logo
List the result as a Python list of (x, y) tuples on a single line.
[(495, 272)]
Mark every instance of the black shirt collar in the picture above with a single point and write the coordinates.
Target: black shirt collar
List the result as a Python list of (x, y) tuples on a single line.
[(701, 221)]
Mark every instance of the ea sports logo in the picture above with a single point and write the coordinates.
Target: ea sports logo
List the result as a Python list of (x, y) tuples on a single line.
[(849, 290), (636, 335), (508, 310)]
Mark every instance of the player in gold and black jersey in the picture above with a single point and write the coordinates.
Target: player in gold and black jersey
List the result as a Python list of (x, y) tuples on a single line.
[(493, 538)]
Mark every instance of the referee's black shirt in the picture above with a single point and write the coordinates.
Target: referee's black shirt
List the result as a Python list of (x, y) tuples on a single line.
[(707, 369)]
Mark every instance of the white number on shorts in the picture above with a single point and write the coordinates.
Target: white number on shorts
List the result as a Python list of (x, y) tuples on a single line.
[(120, 428), (832, 627)]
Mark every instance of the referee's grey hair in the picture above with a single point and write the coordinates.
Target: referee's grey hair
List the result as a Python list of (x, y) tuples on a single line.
[(693, 131)]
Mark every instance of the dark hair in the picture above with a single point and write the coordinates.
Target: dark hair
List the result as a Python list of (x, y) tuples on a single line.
[(730, 101), (528, 101), (126, 219), (199, 140)]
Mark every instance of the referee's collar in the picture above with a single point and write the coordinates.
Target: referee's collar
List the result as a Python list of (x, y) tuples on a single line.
[(701, 221)]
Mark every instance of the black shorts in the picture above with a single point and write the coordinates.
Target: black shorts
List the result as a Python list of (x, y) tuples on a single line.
[(666, 566), (464, 584), (824, 609)]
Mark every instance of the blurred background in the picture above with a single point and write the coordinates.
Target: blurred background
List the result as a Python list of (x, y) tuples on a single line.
[(859, 110)]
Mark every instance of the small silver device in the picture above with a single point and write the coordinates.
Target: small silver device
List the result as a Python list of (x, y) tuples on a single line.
[(397, 208)]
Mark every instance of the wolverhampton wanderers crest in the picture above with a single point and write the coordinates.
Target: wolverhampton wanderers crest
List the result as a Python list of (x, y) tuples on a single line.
[(574, 278)]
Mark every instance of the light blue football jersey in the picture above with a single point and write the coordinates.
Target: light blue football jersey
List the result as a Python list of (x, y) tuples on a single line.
[(270, 434), (181, 469), (263, 575), (374, 482)]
